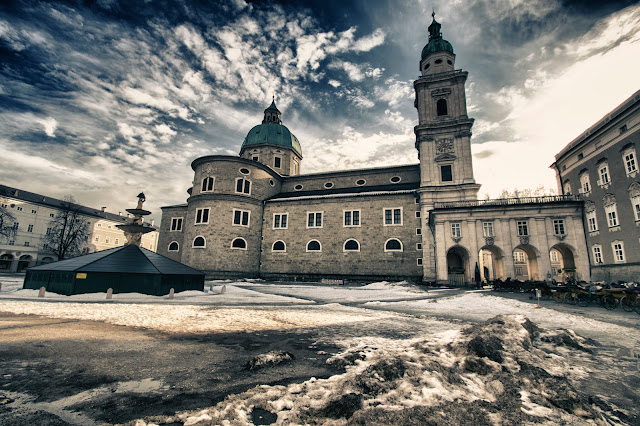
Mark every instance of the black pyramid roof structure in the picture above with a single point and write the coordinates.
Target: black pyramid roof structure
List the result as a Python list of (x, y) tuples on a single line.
[(126, 269)]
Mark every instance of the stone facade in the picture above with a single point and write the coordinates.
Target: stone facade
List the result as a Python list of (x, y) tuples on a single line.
[(601, 166), (419, 222), (33, 214)]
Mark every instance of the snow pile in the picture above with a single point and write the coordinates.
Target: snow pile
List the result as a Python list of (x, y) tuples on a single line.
[(268, 359), (194, 318), (505, 370)]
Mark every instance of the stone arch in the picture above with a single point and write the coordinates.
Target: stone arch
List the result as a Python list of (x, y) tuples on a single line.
[(491, 261), (5, 261), (532, 256), (24, 262), (567, 260), (458, 266)]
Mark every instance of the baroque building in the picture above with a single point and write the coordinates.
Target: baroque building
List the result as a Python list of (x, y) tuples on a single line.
[(601, 166), (256, 215), (32, 214)]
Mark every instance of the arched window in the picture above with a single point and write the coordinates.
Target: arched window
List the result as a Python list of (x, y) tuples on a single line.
[(279, 246), (393, 244), (207, 184), (441, 106), (351, 245), (174, 246), (314, 245), (239, 243), (199, 242)]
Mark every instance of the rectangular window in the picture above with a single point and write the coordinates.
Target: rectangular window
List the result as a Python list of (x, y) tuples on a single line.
[(455, 230), (635, 202), (30, 228), (243, 186), (116, 241), (176, 224), (106, 240), (618, 251), (418, 214), (202, 216), (27, 243), (241, 217), (445, 173), (351, 218), (597, 255), (51, 215), (612, 215), (604, 175), (255, 158), (523, 228), (518, 257), (16, 225), (487, 229), (591, 221), (314, 219), (518, 270), (418, 231), (19, 209), (48, 231), (97, 238), (630, 162), (33, 211), (623, 129), (585, 184), (558, 226), (277, 162), (554, 256), (419, 246), (419, 261), (393, 216), (280, 220), (207, 184), (11, 242)]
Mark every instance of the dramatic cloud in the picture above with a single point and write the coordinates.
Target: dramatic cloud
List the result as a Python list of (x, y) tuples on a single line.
[(109, 99)]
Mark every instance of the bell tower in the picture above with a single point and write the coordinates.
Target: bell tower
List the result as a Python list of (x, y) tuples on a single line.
[(443, 133), (443, 137)]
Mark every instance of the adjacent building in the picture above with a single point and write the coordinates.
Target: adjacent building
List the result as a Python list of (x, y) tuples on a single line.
[(33, 214), (256, 215), (601, 166)]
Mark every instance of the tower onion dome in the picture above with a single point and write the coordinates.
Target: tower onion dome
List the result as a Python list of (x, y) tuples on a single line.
[(272, 132), (436, 42)]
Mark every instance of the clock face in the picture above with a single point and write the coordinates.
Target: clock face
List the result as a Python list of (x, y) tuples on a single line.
[(444, 145)]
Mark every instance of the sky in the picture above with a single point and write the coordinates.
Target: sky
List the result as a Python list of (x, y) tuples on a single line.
[(103, 99)]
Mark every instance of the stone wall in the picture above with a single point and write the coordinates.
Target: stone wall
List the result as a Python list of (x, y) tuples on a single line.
[(333, 260)]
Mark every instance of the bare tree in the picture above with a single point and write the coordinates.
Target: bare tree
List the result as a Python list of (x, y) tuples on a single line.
[(70, 230), (540, 191), (7, 229)]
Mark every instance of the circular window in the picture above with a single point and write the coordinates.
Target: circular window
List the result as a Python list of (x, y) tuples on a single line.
[(395, 179), (244, 171), (271, 182), (360, 182), (449, 62), (298, 187), (328, 185), (438, 61)]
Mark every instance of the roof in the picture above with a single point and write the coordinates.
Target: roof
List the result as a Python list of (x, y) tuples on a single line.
[(272, 134), (436, 42), (126, 259), (55, 203)]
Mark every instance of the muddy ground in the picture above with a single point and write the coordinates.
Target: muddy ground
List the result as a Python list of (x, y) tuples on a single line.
[(58, 372)]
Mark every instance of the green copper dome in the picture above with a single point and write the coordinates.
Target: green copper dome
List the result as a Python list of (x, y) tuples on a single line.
[(436, 42), (273, 134), (437, 45)]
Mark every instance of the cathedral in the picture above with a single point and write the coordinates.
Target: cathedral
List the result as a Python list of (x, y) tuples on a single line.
[(257, 215)]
